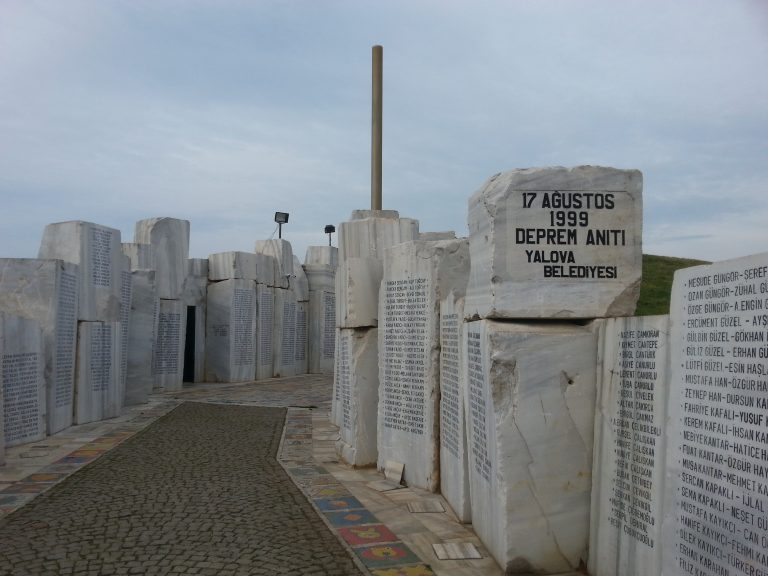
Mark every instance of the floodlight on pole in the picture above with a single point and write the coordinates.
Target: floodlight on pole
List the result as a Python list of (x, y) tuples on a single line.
[(281, 218), (330, 229)]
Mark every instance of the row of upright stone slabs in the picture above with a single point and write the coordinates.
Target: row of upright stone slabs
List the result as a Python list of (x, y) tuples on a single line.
[(320, 266), (545, 244), (362, 243)]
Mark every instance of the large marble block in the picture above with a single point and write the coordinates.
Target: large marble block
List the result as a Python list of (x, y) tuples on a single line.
[(355, 395), (322, 256), (142, 256), (301, 362), (169, 238), (416, 275), (299, 282), (97, 252), (232, 265), (98, 393), (47, 291), (357, 292), (369, 232), (454, 468), (126, 296), (284, 334), (194, 296), (629, 447), (266, 322), (530, 417), (716, 482), (231, 331), (22, 384), (168, 351), (282, 252), (321, 339), (145, 311), (556, 243)]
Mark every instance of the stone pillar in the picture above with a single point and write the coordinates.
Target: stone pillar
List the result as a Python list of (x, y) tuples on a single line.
[(97, 392), (145, 311), (169, 238), (22, 384), (168, 351), (126, 298), (230, 354), (194, 297), (417, 274), (47, 291), (301, 289)]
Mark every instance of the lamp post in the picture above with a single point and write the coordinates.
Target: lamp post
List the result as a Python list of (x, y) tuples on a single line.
[(281, 218), (330, 229)]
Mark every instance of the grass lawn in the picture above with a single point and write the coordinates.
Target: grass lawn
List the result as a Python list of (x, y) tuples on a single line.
[(657, 282)]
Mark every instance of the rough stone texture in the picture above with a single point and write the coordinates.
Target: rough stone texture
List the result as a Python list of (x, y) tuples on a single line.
[(284, 334), (145, 309), (266, 322), (556, 243), (530, 409), (321, 341), (126, 298), (142, 255), (282, 252), (301, 364), (432, 236), (96, 250), (169, 238), (231, 265), (355, 395), (168, 349), (417, 275), (47, 292), (22, 384), (198, 492), (716, 481), (454, 470), (194, 296), (322, 256), (98, 390), (299, 283), (369, 232), (357, 292), (628, 466), (231, 331)]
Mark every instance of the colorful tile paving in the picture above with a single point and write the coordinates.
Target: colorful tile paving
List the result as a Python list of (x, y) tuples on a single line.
[(418, 570), (367, 535), (351, 517), (387, 555), (328, 504)]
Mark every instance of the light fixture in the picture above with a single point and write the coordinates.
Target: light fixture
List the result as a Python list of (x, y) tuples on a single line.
[(281, 218), (330, 229)]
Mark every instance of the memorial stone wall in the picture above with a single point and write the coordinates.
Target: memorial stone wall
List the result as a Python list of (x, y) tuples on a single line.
[(284, 333), (142, 256), (98, 393), (168, 350), (266, 321), (126, 295), (301, 289), (145, 311), (169, 238), (282, 253), (230, 353), (629, 448), (22, 383), (320, 268), (47, 292), (194, 297)]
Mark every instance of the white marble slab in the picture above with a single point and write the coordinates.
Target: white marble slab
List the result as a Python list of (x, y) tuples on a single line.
[(322, 256), (169, 238), (22, 381), (356, 382), (357, 292), (530, 417), (142, 255), (126, 295), (168, 351), (194, 296), (97, 251), (231, 331), (416, 273), (299, 282), (266, 322), (301, 364), (231, 265), (282, 252), (97, 390), (284, 334), (432, 236), (629, 447), (321, 341), (716, 490), (556, 243), (369, 232), (145, 311), (47, 291)]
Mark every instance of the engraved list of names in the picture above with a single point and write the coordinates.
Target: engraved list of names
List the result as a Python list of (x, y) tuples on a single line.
[(717, 465)]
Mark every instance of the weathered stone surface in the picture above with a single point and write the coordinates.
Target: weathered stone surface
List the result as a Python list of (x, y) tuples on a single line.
[(530, 409), (266, 321), (432, 236), (145, 310), (194, 296), (299, 282), (168, 351), (22, 384), (142, 255), (355, 395), (231, 331), (97, 252), (321, 340), (556, 243), (416, 275), (47, 291), (98, 393), (454, 470), (232, 265), (322, 256), (629, 448), (284, 334), (357, 292), (126, 296), (716, 487), (282, 252), (369, 232), (169, 238), (301, 363)]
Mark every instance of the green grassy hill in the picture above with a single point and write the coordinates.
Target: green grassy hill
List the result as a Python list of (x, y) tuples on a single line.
[(657, 282)]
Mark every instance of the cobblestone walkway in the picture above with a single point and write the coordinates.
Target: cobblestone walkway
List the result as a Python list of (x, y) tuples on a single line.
[(197, 492)]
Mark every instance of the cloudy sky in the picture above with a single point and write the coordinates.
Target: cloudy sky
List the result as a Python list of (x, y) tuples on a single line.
[(222, 112)]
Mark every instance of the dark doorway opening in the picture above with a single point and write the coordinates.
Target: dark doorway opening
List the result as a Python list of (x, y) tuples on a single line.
[(189, 346)]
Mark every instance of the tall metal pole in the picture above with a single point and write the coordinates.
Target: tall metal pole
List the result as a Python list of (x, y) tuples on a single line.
[(376, 126)]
